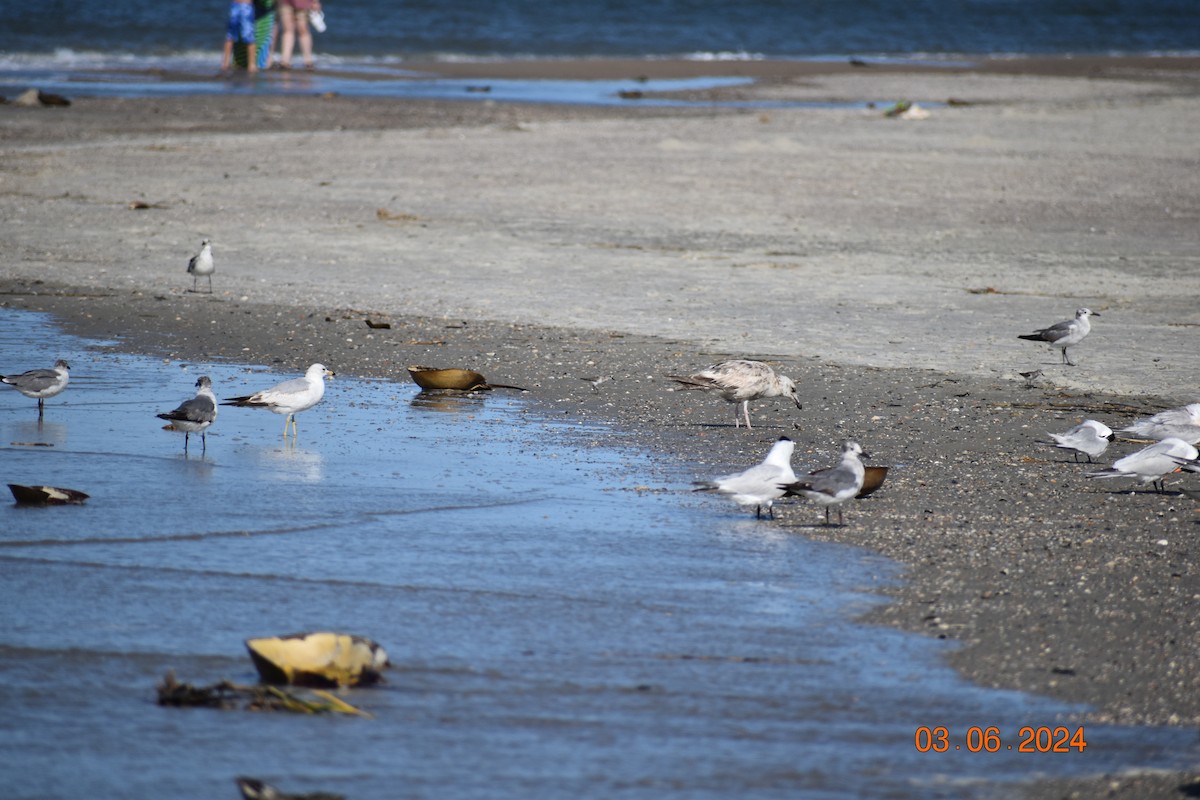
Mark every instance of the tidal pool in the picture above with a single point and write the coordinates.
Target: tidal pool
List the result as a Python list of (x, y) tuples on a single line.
[(556, 629)]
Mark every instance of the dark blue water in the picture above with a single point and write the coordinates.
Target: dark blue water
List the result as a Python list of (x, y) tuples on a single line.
[(601, 28), (556, 631)]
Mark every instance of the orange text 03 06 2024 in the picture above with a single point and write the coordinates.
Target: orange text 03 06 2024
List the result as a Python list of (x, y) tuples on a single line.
[(989, 739)]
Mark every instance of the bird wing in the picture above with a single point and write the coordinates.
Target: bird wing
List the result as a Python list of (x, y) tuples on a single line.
[(35, 380), (198, 409)]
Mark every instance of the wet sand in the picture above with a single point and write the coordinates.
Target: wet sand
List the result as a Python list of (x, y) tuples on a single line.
[(887, 265)]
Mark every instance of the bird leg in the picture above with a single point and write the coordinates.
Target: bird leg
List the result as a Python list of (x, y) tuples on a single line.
[(745, 413), (1066, 359)]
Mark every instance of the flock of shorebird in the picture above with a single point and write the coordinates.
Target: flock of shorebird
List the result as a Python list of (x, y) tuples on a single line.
[(197, 414), (1174, 432), (737, 381)]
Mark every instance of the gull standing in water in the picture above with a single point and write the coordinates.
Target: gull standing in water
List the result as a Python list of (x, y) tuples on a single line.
[(201, 265), (740, 381), (1180, 423), (1066, 333), (290, 397), (1151, 464), (41, 383), (195, 415), (1088, 437), (833, 487), (760, 485)]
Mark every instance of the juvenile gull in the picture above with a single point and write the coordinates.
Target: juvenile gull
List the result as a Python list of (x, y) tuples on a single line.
[(1088, 437), (832, 487), (41, 383), (1179, 423), (195, 415), (201, 264), (740, 381), (1066, 333), (290, 397), (1150, 464), (758, 486)]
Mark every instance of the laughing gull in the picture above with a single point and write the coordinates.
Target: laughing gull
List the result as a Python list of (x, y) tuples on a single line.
[(740, 381), (195, 415), (201, 264), (1180, 423), (832, 487), (1088, 437), (1066, 333), (41, 383), (290, 397), (760, 485), (1150, 464)]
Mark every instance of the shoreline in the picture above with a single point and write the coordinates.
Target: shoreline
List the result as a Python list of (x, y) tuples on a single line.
[(542, 246)]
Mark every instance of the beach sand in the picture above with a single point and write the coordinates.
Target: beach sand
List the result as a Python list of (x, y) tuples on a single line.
[(887, 265)]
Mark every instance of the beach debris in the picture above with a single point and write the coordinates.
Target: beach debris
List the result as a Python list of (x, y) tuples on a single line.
[(385, 215), (481, 89), (321, 659), (45, 495), (374, 325), (906, 110), (226, 695), (35, 98), (459, 380), (631, 94), (954, 102), (254, 789)]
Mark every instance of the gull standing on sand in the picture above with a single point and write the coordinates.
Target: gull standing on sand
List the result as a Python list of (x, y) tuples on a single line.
[(41, 383), (290, 397), (760, 485), (201, 265), (833, 487), (1066, 333), (1180, 423), (195, 415), (740, 381), (1088, 437), (1151, 464)]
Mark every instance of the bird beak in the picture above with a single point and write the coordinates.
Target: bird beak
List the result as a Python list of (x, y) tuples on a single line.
[(864, 454), (1095, 314), (798, 404), (330, 373)]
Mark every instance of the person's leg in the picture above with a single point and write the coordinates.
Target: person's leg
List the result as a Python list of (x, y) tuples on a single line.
[(305, 37), (227, 55), (252, 57), (287, 37)]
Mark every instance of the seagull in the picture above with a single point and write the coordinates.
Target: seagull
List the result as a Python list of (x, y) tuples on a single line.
[(290, 397), (41, 383), (1088, 437), (195, 415), (760, 485), (1066, 333), (832, 487), (1180, 423), (1152, 463), (740, 381), (202, 264)]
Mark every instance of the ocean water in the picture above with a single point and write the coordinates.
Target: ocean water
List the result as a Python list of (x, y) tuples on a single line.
[(55, 44), (562, 624)]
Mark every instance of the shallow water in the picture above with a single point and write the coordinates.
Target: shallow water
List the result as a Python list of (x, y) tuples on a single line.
[(556, 630)]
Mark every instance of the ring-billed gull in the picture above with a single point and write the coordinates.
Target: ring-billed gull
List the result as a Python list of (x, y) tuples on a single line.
[(1150, 464), (195, 415), (760, 485), (1066, 333), (1088, 437), (740, 381), (833, 487), (290, 397), (1179, 423), (201, 264), (41, 383)]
